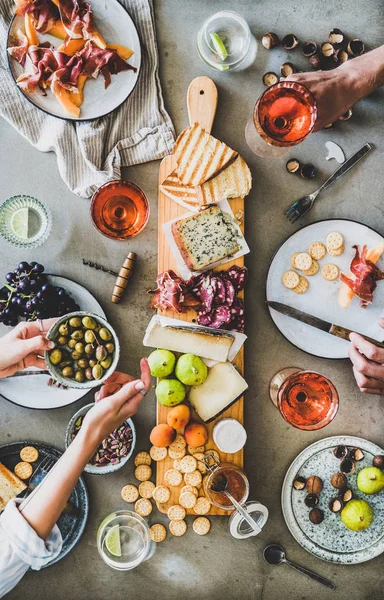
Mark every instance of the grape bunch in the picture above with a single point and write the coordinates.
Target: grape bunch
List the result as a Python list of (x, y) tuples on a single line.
[(28, 294)]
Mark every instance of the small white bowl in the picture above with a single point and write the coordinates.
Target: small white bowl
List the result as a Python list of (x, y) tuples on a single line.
[(93, 469)]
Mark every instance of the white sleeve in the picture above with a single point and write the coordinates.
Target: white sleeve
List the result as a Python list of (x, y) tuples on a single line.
[(21, 548)]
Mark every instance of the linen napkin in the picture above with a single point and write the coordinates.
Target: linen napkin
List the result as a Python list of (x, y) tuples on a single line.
[(91, 153)]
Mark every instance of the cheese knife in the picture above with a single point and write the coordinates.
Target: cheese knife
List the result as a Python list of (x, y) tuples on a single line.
[(336, 330)]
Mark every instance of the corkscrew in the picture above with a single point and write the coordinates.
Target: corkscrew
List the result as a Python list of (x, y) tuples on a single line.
[(122, 277)]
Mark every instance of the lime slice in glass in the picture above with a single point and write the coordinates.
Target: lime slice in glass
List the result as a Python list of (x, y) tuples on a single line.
[(219, 46), (112, 541), (19, 223)]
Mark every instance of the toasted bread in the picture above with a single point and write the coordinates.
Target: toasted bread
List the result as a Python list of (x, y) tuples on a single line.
[(233, 182), (10, 486), (185, 195), (200, 156)]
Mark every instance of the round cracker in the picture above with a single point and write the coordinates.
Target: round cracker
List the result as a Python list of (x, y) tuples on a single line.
[(143, 507), (201, 467), (303, 261), (161, 494), (334, 240), (173, 477), (188, 464), (29, 454), (146, 489), (202, 506), (302, 287), (178, 443), (177, 528), (201, 525), (176, 454), (193, 478), (23, 470), (195, 449), (313, 269), (337, 252), (330, 272), (189, 488), (142, 458), (293, 259), (129, 493), (158, 533), (176, 464), (290, 279), (317, 250), (143, 472), (187, 499), (176, 513), (158, 454)]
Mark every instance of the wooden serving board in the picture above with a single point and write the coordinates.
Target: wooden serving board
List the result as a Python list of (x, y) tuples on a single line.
[(202, 102)]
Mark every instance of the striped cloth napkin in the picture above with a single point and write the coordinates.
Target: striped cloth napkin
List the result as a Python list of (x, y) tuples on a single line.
[(89, 154)]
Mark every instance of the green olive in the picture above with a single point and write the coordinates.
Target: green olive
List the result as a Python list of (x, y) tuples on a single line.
[(92, 362), (101, 353), (88, 374), (82, 363), (72, 344), (106, 363), (89, 336), (79, 347), (75, 322), (97, 372), (79, 376), (75, 355), (77, 335), (105, 334), (67, 372), (64, 329), (62, 340), (89, 350), (89, 323), (110, 347), (65, 363), (56, 356)]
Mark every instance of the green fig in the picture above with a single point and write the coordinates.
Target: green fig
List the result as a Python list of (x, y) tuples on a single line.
[(161, 363), (170, 392), (191, 370), (357, 515)]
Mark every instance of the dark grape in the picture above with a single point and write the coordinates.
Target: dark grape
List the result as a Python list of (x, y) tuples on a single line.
[(24, 286), (37, 268), (24, 267), (10, 277), (13, 321), (29, 306), (34, 285)]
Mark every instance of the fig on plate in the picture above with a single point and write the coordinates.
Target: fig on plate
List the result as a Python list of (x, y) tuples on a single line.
[(357, 515), (370, 480)]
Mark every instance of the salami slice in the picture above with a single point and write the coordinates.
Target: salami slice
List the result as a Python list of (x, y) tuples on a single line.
[(238, 277), (220, 291), (230, 292)]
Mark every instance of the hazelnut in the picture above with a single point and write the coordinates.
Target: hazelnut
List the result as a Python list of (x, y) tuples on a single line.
[(347, 466), (270, 40), (340, 451), (316, 516), (293, 165), (289, 41), (309, 49), (299, 483), (287, 69), (340, 56), (270, 78), (345, 117), (314, 484), (335, 505), (339, 481), (356, 453), (378, 461), (336, 37), (356, 47), (327, 49), (311, 500), (346, 495), (316, 61), (308, 171)]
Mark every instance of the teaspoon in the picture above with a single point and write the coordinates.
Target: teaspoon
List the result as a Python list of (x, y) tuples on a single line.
[(275, 555)]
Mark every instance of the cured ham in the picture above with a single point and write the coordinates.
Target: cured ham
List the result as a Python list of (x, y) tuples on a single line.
[(366, 275), (77, 18), (105, 60), (172, 293), (44, 13), (68, 71), (43, 63), (19, 48)]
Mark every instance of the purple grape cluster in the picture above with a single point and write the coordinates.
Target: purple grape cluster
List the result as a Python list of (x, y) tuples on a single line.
[(28, 294)]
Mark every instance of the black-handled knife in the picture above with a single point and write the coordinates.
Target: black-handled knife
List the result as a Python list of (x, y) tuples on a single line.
[(336, 330)]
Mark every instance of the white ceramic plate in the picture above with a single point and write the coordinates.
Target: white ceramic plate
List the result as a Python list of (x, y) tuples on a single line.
[(321, 298), (331, 540), (117, 27), (33, 391)]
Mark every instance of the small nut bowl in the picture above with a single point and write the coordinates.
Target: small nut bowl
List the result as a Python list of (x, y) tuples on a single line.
[(54, 370), (109, 468)]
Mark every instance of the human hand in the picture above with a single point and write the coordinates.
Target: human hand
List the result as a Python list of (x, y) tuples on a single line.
[(118, 399), (368, 364), (23, 347)]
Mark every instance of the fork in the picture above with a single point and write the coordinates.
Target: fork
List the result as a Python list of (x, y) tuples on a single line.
[(302, 206)]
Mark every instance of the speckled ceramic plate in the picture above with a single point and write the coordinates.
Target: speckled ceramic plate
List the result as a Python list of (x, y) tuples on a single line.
[(331, 540), (321, 298), (73, 520)]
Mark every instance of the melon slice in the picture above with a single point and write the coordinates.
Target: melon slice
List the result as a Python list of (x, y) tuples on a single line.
[(122, 51), (345, 293), (30, 31), (78, 97), (72, 47), (56, 2), (58, 30), (64, 99), (98, 39)]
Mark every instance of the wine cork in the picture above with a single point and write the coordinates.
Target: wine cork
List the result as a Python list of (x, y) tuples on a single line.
[(124, 275)]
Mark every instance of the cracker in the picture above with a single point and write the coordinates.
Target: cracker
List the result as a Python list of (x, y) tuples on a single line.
[(303, 261), (23, 470), (173, 477), (330, 272), (337, 252), (143, 472), (142, 458), (29, 454), (317, 250), (201, 467), (290, 279), (146, 489), (189, 488), (293, 259), (214, 452), (334, 240), (314, 268), (158, 454), (193, 478), (195, 449), (158, 533), (178, 443), (201, 525), (176, 513), (188, 464), (199, 455), (302, 287), (161, 494), (176, 454), (129, 493), (143, 507), (176, 464), (202, 506), (187, 499), (177, 528)]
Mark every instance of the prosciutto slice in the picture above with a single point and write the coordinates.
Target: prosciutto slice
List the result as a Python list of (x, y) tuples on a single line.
[(77, 18), (43, 65), (105, 60), (19, 47), (69, 70), (43, 12), (366, 273), (172, 293)]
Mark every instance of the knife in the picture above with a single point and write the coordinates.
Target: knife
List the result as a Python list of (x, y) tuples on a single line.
[(336, 330)]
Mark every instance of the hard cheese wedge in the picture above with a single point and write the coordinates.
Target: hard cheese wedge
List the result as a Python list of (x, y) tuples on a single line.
[(223, 386)]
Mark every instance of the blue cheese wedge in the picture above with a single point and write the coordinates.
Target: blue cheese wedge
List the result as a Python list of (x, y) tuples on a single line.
[(223, 386)]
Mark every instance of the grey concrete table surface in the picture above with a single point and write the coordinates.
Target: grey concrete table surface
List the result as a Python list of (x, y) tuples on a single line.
[(216, 566)]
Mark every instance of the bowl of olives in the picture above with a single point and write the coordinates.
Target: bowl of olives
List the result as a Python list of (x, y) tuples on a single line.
[(86, 350)]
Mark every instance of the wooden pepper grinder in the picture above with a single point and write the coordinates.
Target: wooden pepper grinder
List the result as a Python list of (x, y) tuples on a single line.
[(124, 275)]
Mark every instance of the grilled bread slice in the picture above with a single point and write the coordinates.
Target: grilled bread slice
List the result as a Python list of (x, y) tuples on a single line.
[(10, 486), (200, 156), (185, 195), (233, 182), (205, 238)]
